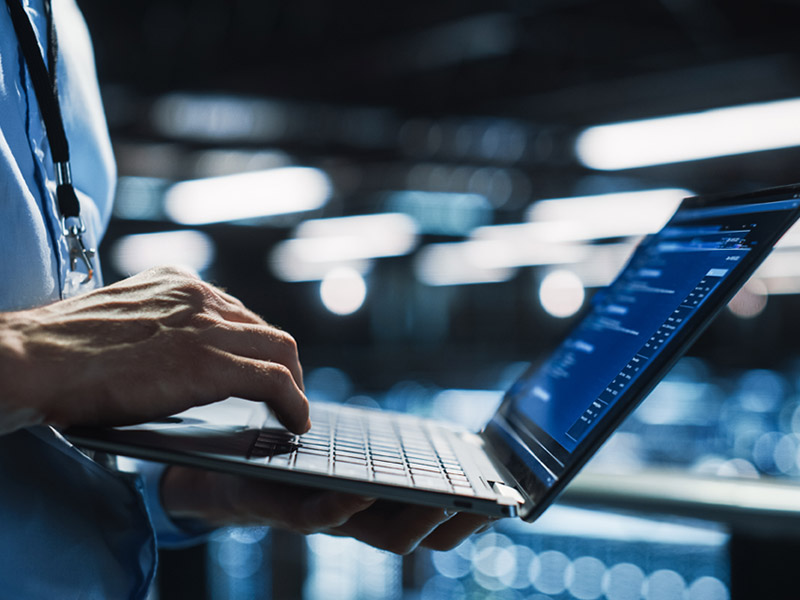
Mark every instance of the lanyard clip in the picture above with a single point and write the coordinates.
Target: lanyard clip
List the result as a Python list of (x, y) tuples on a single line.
[(77, 249)]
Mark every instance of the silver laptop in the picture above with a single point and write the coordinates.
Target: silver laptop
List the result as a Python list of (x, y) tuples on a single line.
[(551, 420)]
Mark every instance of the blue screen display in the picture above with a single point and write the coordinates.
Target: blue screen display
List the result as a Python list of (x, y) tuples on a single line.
[(632, 321)]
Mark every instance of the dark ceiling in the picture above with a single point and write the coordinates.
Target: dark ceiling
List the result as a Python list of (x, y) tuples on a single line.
[(565, 61), (556, 65)]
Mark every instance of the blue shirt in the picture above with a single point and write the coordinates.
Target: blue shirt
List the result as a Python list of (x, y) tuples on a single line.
[(69, 527)]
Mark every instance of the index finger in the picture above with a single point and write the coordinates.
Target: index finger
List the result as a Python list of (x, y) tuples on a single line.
[(261, 342), (268, 382)]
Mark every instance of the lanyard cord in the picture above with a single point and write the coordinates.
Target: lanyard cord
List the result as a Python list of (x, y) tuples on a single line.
[(46, 88)]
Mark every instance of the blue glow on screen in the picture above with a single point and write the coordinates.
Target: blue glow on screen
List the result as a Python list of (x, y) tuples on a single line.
[(632, 321)]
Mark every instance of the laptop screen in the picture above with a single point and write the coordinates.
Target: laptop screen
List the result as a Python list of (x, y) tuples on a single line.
[(635, 329)]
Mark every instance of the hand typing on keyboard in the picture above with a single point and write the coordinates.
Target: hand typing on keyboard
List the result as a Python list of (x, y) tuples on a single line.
[(146, 347), (161, 342), (220, 500)]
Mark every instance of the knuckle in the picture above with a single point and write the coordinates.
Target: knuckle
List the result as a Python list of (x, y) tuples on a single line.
[(280, 373), (195, 290), (286, 342), (203, 322), (190, 301)]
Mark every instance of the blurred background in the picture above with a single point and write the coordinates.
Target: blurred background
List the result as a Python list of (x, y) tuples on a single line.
[(426, 194)]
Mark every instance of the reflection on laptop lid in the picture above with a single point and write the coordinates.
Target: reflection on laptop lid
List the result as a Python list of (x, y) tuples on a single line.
[(551, 420)]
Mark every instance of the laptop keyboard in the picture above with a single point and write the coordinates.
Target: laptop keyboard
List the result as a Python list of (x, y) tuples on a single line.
[(386, 448)]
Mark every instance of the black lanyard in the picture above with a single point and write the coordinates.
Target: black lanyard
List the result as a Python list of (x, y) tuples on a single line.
[(46, 88)]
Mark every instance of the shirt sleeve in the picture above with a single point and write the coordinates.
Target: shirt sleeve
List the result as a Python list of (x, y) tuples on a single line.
[(170, 533)]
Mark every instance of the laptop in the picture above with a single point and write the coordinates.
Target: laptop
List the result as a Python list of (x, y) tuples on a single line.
[(550, 422)]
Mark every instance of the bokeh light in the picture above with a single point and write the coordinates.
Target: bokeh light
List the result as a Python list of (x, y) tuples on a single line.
[(561, 293), (343, 291)]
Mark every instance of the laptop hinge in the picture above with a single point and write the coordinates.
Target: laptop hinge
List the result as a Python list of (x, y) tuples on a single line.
[(512, 485)]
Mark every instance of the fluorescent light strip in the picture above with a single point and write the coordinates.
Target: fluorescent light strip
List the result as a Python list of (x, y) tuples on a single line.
[(132, 254), (247, 195), (602, 216), (354, 238), (525, 234), (286, 265), (212, 117), (401, 228), (457, 263), (323, 244), (694, 136)]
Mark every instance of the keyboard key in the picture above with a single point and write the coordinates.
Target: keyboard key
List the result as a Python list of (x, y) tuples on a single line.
[(463, 483), (389, 443), (386, 464), (356, 460), (431, 465), (362, 453), (349, 445), (313, 451), (390, 458), (280, 460), (315, 444), (424, 469), (432, 483), (346, 469), (453, 472), (311, 462)]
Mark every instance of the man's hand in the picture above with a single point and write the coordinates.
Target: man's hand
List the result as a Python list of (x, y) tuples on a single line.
[(146, 347), (161, 342), (218, 500)]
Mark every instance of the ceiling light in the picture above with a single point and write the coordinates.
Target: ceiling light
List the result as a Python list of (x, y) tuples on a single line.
[(457, 263), (693, 136), (387, 233), (323, 244), (133, 254), (250, 195), (602, 216), (219, 117)]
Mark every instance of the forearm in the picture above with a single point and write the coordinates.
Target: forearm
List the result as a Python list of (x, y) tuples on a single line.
[(18, 401)]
